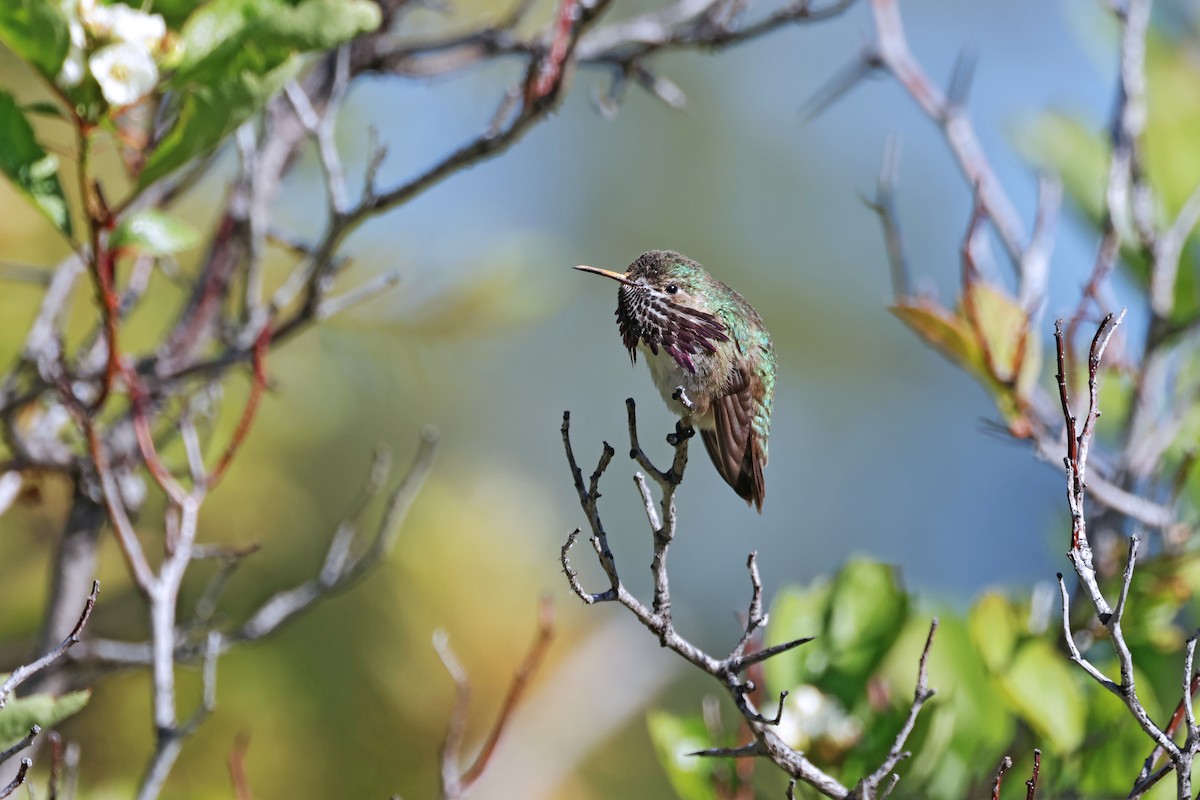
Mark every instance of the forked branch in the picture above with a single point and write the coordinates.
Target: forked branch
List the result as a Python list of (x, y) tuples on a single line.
[(728, 670)]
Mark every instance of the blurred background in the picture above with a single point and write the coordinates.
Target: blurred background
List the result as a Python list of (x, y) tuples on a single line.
[(878, 447)]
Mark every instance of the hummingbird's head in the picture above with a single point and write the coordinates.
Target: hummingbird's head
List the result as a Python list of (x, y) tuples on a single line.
[(662, 302)]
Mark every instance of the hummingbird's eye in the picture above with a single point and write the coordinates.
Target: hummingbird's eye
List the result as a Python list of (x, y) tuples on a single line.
[(672, 288)]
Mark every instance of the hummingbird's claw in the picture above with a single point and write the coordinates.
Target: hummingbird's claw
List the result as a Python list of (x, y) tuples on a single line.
[(683, 398), (682, 433)]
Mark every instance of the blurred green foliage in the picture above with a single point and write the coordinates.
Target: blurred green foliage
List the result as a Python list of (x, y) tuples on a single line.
[(236, 55), (1068, 146), (41, 709), (1004, 684)]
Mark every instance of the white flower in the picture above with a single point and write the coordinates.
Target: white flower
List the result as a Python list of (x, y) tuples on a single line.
[(126, 42), (125, 71), (809, 715), (120, 23), (71, 72)]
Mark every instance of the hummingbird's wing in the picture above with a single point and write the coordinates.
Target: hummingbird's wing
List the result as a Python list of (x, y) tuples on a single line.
[(733, 445)]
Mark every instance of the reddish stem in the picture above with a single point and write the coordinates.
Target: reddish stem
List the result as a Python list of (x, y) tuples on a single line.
[(145, 440), (548, 74), (104, 269), (516, 690), (259, 355)]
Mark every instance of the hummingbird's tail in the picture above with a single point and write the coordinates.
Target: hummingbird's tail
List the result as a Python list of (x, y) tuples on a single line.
[(736, 452)]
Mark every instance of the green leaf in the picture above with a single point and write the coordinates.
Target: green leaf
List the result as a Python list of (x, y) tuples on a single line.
[(46, 109), (154, 233), (31, 169), (944, 331), (46, 710), (1172, 117), (994, 629), (1003, 323), (796, 614), (950, 740), (236, 55), (674, 738), (1073, 150), (987, 336), (175, 12), (866, 612), (1107, 762), (1042, 689), (36, 30)]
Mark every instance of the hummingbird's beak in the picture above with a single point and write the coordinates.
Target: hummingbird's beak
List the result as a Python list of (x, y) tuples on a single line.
[(608, 273)]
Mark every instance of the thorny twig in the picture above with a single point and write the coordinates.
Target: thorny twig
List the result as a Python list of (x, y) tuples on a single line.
[(890, 52), (657, 618)]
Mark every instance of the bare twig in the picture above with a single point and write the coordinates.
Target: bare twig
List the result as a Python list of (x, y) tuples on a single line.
[(727, 671), (237, 767), (456, 782), (21, 745), (870, 784), (1005, 765), (1167, 252), (1032, 783), (1080, 555), (890, 52), (1035, 264), (26, 671), (18, 780), (286, 604), (56, 765), (884, 204)]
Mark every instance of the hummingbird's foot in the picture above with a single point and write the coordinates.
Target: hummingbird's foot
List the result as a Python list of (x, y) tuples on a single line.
[(682, 433), (684, 400)]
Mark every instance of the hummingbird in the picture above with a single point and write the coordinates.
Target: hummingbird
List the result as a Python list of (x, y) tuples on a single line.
[(710, 356)]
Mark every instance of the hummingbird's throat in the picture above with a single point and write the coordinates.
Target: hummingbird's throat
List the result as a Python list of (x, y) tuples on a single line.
[(647, 315)]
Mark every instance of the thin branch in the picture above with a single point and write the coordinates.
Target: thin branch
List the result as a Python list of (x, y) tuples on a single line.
[(286, 604), (884, 204), (56, 764), (1073, 649), (1189, 675), (758, 656), (752, 750), (512, 698), (26, 671), (18, 780), (1126, 579), (237, 767), (452, 744), (755, 619), (657, 619), (890, 52), (1005, 765), (1147, 777), (1167, 253), (921, 694), (1035, 265), (21, 745)]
